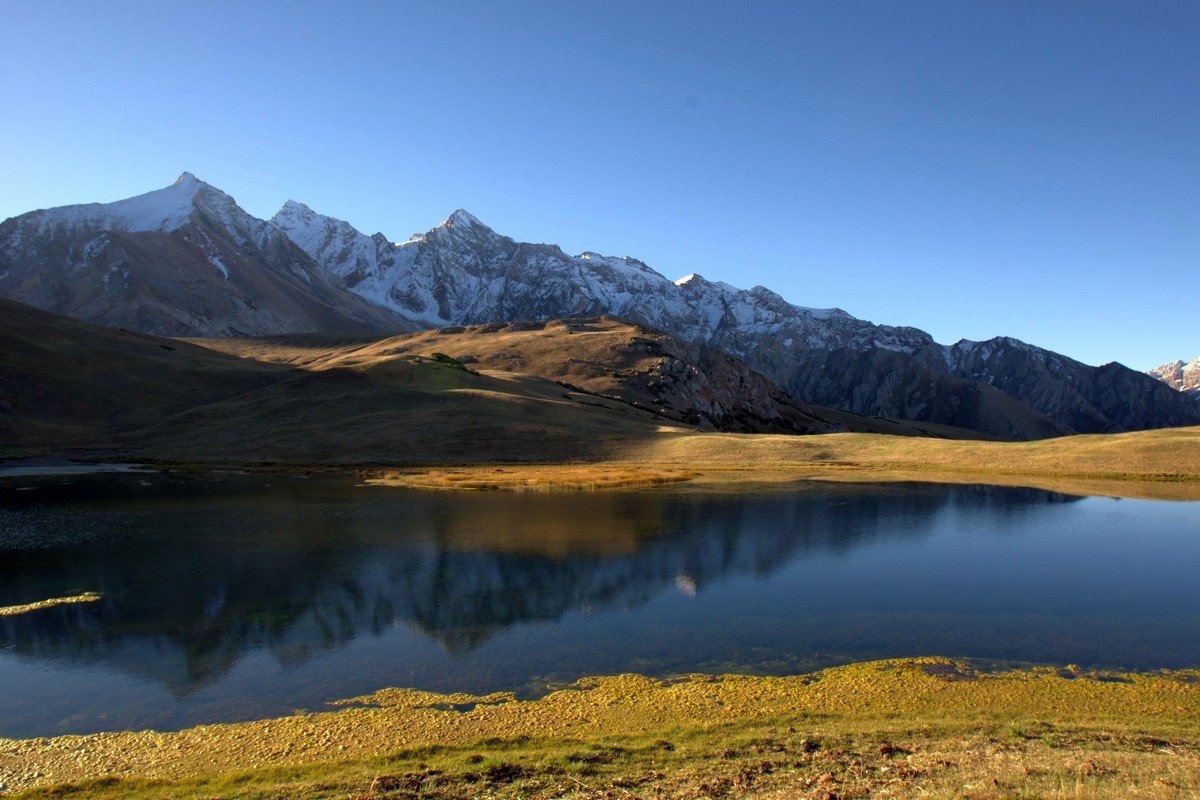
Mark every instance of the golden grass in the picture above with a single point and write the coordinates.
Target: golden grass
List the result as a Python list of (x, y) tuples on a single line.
[(534, 478), (86, 597), (928, 724), (1167, 454), (1161, 464)]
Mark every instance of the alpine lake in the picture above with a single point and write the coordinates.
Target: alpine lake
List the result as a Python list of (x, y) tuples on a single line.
[(231, 596)]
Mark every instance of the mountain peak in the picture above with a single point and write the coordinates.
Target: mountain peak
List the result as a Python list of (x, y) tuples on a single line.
[(462, 218), (1184, 376), (694, 277), (295, 206), (186, 178)]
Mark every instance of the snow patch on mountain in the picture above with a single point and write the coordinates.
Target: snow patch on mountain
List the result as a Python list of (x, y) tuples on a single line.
[(161, 210)]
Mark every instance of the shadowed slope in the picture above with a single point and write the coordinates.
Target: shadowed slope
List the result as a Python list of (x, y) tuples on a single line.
[(607, 357), (70, 385)]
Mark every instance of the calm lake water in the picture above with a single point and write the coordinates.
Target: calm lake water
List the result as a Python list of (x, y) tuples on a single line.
[(232, 597)]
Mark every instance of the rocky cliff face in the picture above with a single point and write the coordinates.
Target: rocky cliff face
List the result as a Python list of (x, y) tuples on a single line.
[(184, 260)]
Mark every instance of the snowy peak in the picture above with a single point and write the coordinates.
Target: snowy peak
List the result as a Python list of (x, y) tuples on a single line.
[(461, 219), (1183, 377), (162, 211), (295, 207)]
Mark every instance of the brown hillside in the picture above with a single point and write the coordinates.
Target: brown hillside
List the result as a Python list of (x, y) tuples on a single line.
[(606, 357), (69, 385)]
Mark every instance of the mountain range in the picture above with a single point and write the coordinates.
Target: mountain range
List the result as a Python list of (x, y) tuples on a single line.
[(188, 261)]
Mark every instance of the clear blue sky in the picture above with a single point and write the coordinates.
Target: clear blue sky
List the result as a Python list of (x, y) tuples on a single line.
[(970, 168)]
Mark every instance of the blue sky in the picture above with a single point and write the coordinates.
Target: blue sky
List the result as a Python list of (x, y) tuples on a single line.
[(973, 169)]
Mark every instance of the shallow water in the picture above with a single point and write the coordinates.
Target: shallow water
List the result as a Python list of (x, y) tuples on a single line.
[(231, 597)]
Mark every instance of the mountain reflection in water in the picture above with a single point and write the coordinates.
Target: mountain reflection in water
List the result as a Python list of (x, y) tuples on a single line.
[(203, 573)]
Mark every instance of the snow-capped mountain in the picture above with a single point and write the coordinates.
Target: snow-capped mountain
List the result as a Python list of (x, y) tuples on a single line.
[(1181, 377), (183, 260), (186, 260), (462, 272)]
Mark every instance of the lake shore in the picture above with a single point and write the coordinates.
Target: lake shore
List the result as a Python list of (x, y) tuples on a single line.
[(888, 728), (590, 477), (1158, 464)]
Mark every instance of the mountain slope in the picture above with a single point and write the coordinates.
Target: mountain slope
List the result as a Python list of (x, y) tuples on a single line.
[(462, 272), (184, 260), (603, 357), (69, 385)]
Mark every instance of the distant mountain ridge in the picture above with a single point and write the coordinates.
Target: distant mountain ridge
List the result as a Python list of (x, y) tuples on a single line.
[(1181, 377), (205, 267)]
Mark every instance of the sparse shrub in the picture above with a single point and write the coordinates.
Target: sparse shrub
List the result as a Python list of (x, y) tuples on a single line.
[(449, 361)]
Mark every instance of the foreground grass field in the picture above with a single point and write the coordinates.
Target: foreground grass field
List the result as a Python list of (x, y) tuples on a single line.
[(912, 728)]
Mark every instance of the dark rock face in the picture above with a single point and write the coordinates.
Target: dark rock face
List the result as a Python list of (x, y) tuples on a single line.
[(1083, 399), (892, 384)]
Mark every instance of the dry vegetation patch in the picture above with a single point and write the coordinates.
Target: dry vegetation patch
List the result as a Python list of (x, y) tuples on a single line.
[(535, 478), (86, 597)]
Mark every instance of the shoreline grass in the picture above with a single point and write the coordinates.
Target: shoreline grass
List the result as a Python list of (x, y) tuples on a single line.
[(930, 726), (86, 597)]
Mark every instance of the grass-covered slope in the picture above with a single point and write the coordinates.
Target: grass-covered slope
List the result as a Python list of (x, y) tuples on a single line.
[(70, 386)]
